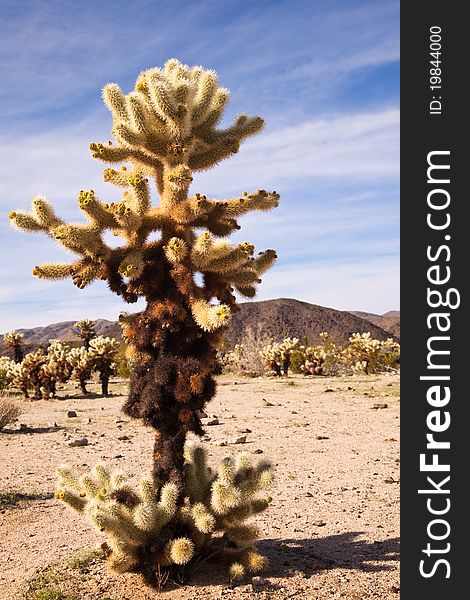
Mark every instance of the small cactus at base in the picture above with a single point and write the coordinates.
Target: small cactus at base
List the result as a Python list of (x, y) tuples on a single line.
[(165, 527)]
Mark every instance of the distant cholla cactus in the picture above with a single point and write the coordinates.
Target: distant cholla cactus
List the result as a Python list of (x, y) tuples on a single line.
[(33, 364), (57, 358), (102, 353), (14, 340), (277, 356), (166, 526), (165, 130), (314, 358), (41, 371), (368, 355), (18, 376), (86, 330), (81, 366), (6, 376), (232, 359), (320, 359)]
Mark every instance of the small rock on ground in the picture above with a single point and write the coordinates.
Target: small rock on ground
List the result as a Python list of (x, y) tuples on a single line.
[(78, 442)]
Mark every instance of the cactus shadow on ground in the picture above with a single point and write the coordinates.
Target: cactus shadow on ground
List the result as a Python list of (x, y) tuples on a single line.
[(29, 430), (344, 550)]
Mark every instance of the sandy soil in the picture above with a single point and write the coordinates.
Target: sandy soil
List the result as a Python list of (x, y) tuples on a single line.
[(332, 529)]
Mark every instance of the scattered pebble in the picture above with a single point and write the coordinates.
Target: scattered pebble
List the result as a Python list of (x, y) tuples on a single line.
[(239, 440), (258, 451), (123, 438), (210, 421), (322, 437), (71, 414), (379, 405), (222, 443), (257, 581), (244, 430), (319, 523), (329, 390), (267, 403), (118, 420), (78, 442), (118, 456)]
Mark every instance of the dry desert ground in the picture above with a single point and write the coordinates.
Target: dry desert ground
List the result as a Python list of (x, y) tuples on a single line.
[(332, 530)]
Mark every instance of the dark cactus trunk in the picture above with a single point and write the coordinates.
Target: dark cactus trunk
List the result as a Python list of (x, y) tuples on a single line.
[(173, 377), (82, 380), (18, 353), (104, 386)]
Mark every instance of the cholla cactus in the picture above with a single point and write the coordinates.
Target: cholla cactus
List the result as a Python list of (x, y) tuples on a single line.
[(18, 377), (277, 356), (165, 130), (81, 366), (232, 359), (86, 330), (320, 359), (58, 365), (168, 526), (6, 376), (14, 340), (314, 359), (33, 364), (102, 352), (368, 355)]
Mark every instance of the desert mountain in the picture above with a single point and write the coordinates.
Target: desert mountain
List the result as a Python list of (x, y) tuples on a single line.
[(390, 321), (267, 319)]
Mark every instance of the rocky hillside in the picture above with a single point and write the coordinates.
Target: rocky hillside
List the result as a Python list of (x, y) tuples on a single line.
[(268, 319), (390, 321)]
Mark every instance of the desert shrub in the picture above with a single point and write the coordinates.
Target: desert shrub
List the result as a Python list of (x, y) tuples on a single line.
[(10, 410), (277, 356), (245, 358)]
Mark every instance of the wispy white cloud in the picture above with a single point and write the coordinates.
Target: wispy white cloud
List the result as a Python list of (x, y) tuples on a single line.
[(356, 147)]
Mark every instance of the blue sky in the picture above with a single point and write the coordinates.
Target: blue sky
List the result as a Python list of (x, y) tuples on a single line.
[(323, 73)]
